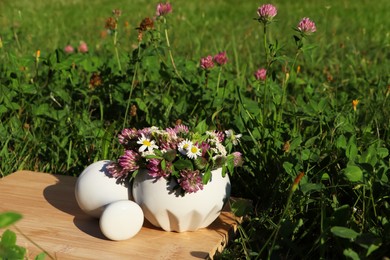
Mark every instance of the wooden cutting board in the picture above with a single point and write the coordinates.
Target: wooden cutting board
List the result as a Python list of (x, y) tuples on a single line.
[(53, 220)]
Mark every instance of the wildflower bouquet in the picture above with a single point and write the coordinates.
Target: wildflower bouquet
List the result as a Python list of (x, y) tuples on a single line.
[(176, 154)]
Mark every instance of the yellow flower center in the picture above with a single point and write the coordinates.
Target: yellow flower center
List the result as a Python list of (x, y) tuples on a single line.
[(146, 142)]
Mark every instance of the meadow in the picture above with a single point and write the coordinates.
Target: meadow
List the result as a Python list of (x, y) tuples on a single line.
[(315, 131)]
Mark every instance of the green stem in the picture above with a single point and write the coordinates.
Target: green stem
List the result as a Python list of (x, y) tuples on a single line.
[(116, 49), (170, 52), (132, 85), (265, 43)]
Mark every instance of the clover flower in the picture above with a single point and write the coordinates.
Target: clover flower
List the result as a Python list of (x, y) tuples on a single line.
[(207, 63), (190, 181), (261, 74), (116, 171), (129, 160), (163, 9), (237, 159), (266, 13), (69, 49), (306, 26), (221, 58), (155, 169), (83, 47), (127, 135)]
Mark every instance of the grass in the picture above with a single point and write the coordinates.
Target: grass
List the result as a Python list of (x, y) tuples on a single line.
[(299, 122)]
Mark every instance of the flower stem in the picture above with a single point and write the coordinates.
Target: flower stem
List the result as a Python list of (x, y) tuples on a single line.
[(116, 48), (132, 85), (170, 52)]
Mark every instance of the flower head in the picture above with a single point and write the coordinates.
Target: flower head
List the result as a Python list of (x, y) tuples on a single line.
[(146, 143), (156, 170), (207, 63), (83, 47), (68, 49), (163, 9), (194, 151), (190, 181), (237, 159), (306, 26), (266, 13), (261, 74), (221, 58), (234, 138), (184, 146), (129, 160), (111, 24), (355, 102)]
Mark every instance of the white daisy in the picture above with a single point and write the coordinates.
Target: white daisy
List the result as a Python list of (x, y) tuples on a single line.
[(184, 146), (193, 152), (146, 143)]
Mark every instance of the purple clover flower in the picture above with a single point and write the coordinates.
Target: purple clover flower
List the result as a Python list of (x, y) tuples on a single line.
[(181, 129), (190, 181), (116, 171), (69, 49), (83, 47), (261, 74), (221, 58), (238, 161), (129, 160), (266, 13), (127, 135), (207, 62), (163, 9), (306, 26), (155, 170)]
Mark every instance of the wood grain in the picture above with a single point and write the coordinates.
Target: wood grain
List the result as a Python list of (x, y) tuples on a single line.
[(53, 220)]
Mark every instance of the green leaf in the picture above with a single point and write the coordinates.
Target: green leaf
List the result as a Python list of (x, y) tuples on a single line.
[(241, 208), (382, 152), (8, 218), (170, 155), (201, 128), (206, 177), (287, 166), (163, 165), (351, 254), (341, 142), (8, 238), (344, 232), (353, 173), (369, 156), (308, 187), (295, 143), (41, 256), (183, 164), (371, 249), (201, 163), (351, 151)]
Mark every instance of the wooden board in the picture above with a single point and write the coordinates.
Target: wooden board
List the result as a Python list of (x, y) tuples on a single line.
[(53, 220)]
